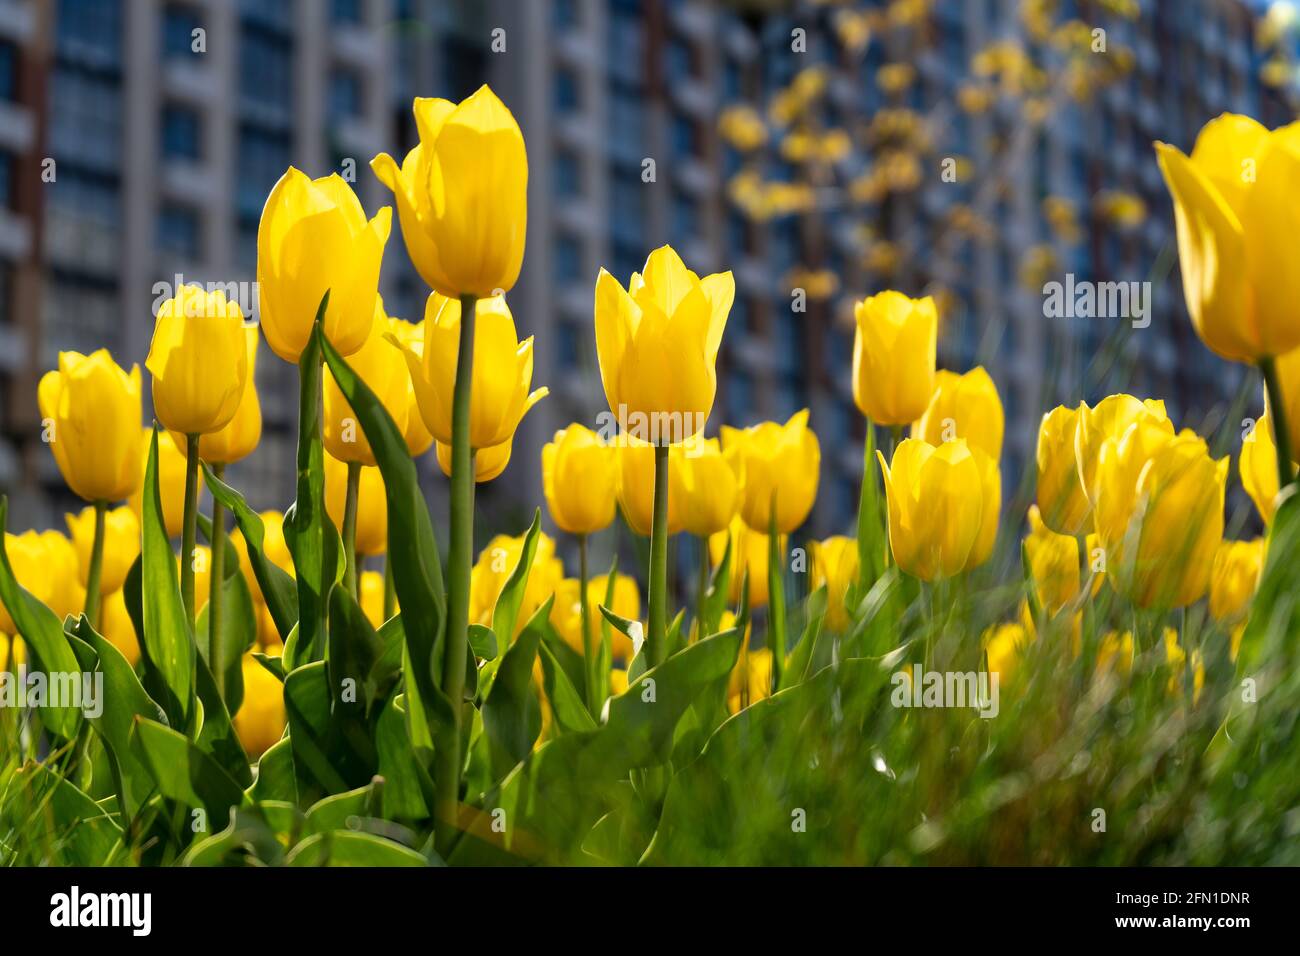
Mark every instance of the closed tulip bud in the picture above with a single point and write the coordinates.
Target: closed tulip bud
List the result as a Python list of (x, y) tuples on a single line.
[(171, 482), (636, 485), (503, 371), (372, 504), (314, 238), (566, 613), (1234, 578), (44, 563), (199, 361), (462, 195), (779, 467), (894, 356), (1121, 460), (121, 545), (1063, 506), (497, 562), (657, 343), (1004, 645), (749, 553), (118, 630), (488, 462), (380, 364), (579, 480), (1236, 209), (835, 564), (259, 722), (964, 406), (237, 440), (708, 489), (1110, 418), (274, 547), (372, 597), (937, 502), (1258, 468), (91, 418), (753, 668), (1053, 564)]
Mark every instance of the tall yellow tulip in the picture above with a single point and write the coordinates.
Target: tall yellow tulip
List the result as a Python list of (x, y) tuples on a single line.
[(239, 437), (1258, 467), (1109, 419), (121, 545), (579, 480), (91, 418), (939, 502), (1236, 211), (198, 360), (489, 462), (964, 406), (779, 467), (1063, 507), (636, 483), (657, 344), (462, 195), (1233, 581), (835, 564), (709, 489), (313, 238), (894, 356)]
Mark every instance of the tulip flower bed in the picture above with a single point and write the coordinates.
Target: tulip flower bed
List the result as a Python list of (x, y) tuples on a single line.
[(1120, 685)]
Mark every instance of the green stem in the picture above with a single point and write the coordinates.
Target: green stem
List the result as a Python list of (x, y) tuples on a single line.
[(590, 657), (215, 650), (390, 588), (701, 588), (459, 558), (775, 597), (96, 567), (350, 527), (657, 636), (1277, 409), (189, 524)]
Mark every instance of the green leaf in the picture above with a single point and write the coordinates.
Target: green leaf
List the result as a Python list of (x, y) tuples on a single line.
[(279, 591), (799, 666), (335, 811), (715, 598), (408, 790), (217, 736), (248, 839), (43, 632), (566, 703), (483, 642), (183, 772), (239, 627), (275, 776), (311, 536), (512, 714), (273, 665), (332, 747), (412, 549), (1273, 630), (506, 611), (167, 648), (350, 848), (354, 650), (42, 805), (871, 533)]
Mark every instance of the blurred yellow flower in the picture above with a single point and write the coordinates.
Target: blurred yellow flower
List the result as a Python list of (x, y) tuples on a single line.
[(1176, 658), (115, 624), (566, 613), (636, 485), (492, 570), (90, 410), (707, 490), (753, 670), (893, 356), (121, 544), (1258, 467), (835, 564), (1115, 653), (1110, 419), (372, 504), (964, 406), (488, 462), (778, 467), (371, 587), (198, 360), (13, 653), (1053, 564), (259, 723), (749, 549), (579, 480), (1233, 580), (1004, 646), (45, 564), (1062, 504)]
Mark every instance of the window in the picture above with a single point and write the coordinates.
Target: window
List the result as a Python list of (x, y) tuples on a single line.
[(564, 14), (346, 11), (344, 96), (178, 230), (685, 217), (680, 61), (568, 260), (266, 73), (567, 98), (8, 71), (85, 119), (627, 212), (89, 32), (179, 24), (6, 178), (568, 177), (263, 158), (685, 133), (181, 132), (569, 347), (627, 122)]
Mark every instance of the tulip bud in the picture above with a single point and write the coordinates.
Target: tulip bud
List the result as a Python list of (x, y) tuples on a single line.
[(657, 343), (1236, 209), (241, 434), (1053, 564), (749, 553), (259, 722), (91, 412), (964, 406), (753, 668), (1062, 504), (636, 485), (566, 613), (1110, 418), (1234, 578), (579, 480), (894, 356), (778, 467), (462, 195), (488, 462), (121, 545), (314, 238), (45, 564), (1258, 466), (835, 564), (372, 504), (707, 489)]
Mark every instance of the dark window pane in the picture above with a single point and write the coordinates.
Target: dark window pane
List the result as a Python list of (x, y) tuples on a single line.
[(181, 131), (178, 230)]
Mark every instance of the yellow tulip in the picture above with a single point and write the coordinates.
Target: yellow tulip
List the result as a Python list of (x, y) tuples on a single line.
[(198, 360), (237, 439), (778, 467), (566, 613), (115, 624), (1053, 564), (372, 597), (964, 406), (835, 564), (121, 545), (462, 195), (13, 653), (91, 418), (45, 563), (1062, 504), (372, 504), (1115, 653), (379, 363), (749, 551), (940, 499), (314, 238), (171, 481), (1258, 466), (1288, 373), (492, 570), (657, 344), (201, 561), (1176, 658), (273, 546), (894, 356), (753, 668), (707, 488), (1109, 419), (259, 723), (1236, 210), (617, 681), (579, 480), (1004, 645), (636, 484), (503, 371), (488, 462), (1233, 580)]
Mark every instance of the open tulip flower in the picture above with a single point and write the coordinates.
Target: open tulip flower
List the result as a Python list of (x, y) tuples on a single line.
[(314, 238), (964, 406), (893, 357), (1109, 419), (779, 467)]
